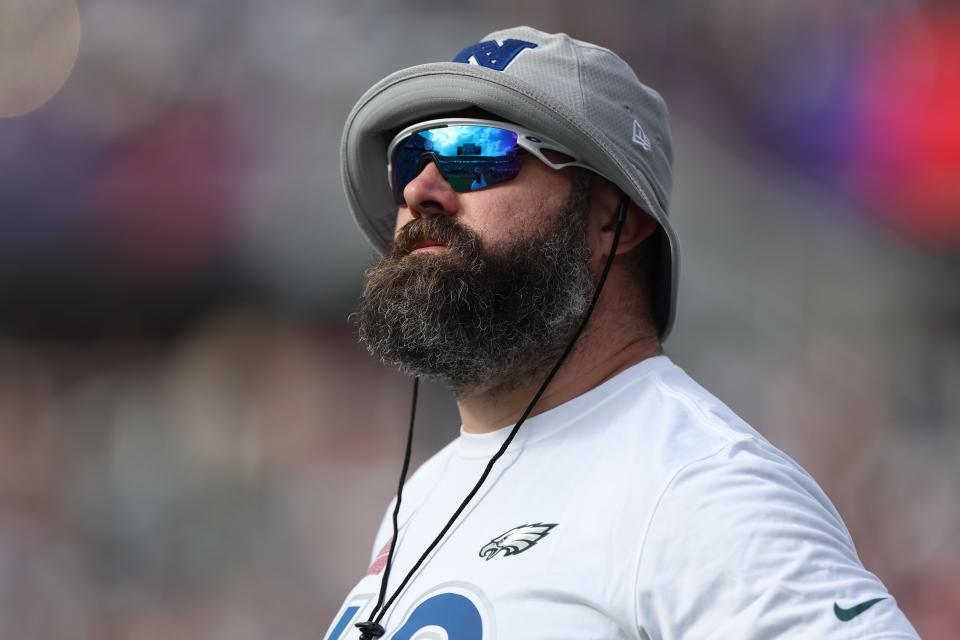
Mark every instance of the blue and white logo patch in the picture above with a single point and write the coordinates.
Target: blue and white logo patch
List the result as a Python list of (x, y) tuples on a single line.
[(493, 54)]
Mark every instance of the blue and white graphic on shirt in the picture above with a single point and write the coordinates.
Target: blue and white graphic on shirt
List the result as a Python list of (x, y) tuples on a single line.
[(348, 616), (493, 54), (457, 609), (676, 520), (454, 611)]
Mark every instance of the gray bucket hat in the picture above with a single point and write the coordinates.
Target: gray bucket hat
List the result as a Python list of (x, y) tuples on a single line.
[(580, 95)]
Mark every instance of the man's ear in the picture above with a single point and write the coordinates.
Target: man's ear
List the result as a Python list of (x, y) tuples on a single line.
[(637, 227)]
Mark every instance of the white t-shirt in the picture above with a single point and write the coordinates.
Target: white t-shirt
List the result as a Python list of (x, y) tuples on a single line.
[(642, 509)]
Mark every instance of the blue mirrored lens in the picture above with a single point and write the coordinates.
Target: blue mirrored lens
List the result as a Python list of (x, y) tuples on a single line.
[(470, 157)]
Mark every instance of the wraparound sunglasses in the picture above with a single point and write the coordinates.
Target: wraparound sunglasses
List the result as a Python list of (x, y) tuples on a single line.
[(470, 153)]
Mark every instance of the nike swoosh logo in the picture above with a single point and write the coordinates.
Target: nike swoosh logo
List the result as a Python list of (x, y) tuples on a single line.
[(846, 615)]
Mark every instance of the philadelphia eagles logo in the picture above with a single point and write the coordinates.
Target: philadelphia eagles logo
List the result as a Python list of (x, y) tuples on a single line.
[(516, 540)]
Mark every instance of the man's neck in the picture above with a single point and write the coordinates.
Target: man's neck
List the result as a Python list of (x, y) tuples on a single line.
[(597, 359)]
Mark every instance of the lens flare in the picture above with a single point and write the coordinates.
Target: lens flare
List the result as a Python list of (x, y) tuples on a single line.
[(39, 43)]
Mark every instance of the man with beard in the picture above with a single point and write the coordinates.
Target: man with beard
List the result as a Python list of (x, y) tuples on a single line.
[(485, 314), (595, 490)]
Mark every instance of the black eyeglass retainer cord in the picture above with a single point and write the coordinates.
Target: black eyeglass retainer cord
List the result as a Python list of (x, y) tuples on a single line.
[(372, 629)]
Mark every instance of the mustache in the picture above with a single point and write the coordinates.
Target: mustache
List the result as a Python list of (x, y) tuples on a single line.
[(442, 229)]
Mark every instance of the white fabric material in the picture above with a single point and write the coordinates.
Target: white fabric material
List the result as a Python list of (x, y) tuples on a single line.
[(673, 519)]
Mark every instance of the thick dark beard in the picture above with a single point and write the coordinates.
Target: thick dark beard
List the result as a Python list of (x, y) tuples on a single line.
[(479, 320)]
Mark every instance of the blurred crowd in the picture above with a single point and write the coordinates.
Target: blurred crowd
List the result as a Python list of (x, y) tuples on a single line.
[(193, 444), (216, 486)]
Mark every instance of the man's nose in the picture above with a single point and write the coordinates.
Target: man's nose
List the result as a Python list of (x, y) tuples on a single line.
[(430, 194)]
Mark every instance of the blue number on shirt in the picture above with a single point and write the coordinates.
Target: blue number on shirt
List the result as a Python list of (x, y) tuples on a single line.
[(453, 613), (342, 623)]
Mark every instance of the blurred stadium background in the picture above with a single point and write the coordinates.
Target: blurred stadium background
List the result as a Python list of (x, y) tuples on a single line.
[(193, 445)]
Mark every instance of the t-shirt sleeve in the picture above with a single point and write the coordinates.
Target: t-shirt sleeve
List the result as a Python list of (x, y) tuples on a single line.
[(744, 544)]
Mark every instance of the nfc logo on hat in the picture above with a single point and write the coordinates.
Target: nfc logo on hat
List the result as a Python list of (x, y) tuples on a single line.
[(493, 54)]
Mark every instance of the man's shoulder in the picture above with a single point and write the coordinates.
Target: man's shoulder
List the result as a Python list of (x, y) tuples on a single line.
[(697, 407), (737, 522), (671, 417), (663, 431), (706, 452)]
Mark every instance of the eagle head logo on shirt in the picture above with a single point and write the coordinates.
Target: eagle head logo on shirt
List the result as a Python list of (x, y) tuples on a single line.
[(515, 541)]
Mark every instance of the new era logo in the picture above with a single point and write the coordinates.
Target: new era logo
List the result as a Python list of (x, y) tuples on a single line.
[(493, 54), (640, 136)]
